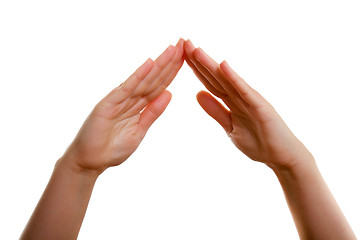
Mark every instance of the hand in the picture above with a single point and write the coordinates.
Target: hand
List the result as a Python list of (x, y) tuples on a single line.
[(119, 122), (251, 122)]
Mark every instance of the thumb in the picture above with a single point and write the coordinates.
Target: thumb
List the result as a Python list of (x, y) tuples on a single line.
[(154, 109), (215, 109)]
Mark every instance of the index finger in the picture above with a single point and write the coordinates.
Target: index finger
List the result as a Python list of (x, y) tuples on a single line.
[(247, 93)]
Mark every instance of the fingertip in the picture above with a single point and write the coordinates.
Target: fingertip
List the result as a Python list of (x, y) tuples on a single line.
[(228, 71), (169, 52), (154, 109), (188, 47), (164, 100), (149, 61), (198, 95), (202, 95), (180, 42), (167, 93), (171, 48), (180, 46), (201, 92), (215, 109), (144, 69), (188, 42), (198, 52), (224, 65)]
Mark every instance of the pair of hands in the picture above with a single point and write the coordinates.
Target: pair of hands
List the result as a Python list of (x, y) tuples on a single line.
[(119, 122)]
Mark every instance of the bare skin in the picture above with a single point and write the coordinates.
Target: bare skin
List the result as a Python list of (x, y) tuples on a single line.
[(119, 122), (111, 133), (258, 131)]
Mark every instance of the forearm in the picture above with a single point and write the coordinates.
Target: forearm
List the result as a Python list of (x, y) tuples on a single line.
[(62, 207), (313, 207)]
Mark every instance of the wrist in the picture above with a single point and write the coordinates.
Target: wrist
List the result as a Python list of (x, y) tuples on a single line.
[(68, 165), (298, 171), (302, 162)]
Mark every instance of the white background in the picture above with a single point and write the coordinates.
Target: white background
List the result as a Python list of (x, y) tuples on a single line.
[(186, 180)]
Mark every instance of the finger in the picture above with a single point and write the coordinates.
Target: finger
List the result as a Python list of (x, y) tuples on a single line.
[(168, 74), (163, 86), (139, 103), (249, 95), (153, 110), (229, 102), (214, 70), (215, 109), (122, 92), (161, 82), (159, 65), (202, 73)]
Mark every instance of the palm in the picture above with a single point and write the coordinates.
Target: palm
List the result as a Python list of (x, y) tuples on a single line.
[(118, 123), (244, 136), (269, 141), (124, 135), (102, 142), (127, 140)]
